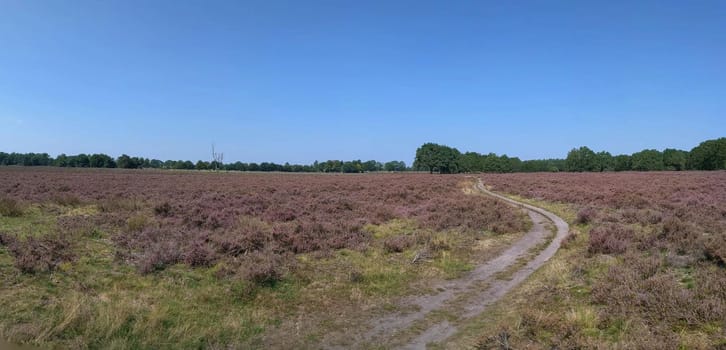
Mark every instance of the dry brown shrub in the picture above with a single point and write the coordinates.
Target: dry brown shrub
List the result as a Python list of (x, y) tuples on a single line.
[(398, 243), (158, 256), (199, 254), (66, 199), (569, 240), (11, 207), (40, 254), (264, 268), (586, 215)]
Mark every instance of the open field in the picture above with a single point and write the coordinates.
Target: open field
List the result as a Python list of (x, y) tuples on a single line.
[(643, 269), (119, 259), (162, 259)]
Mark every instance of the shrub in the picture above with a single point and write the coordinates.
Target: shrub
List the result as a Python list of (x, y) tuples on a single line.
[(585, 215), (264, 268), (163, 209), (398, 243), (356, 276), (569, 240), (137, 223), (198, 254), (610, 239), (10, 207), (66, 199), (249, 235), (159, 256), (6, 239), (40, 254)]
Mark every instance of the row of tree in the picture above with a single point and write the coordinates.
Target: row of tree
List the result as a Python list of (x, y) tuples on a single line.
[(431, 157), (709, 155), (127, 162)]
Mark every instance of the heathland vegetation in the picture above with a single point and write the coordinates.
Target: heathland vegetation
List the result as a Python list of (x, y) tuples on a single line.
[(431, 157), (97, 258), (92, 258), (644, 266)]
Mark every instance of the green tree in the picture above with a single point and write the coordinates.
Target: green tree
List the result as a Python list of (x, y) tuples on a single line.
[(647, 160), (622, 162), (491, 163), (471, 162), (515, 165), (101, 161), (432, 157), (581, 159), (395, 166), (605, 161), (674, 159), (708, 155), (126, 162)]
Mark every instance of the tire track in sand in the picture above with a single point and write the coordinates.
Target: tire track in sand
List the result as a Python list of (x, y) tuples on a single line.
[(462, 299)]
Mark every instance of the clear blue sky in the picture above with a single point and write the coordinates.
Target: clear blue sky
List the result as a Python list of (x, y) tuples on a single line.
[(304, 80)]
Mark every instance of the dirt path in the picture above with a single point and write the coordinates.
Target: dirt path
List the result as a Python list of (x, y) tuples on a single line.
[(435, 317)]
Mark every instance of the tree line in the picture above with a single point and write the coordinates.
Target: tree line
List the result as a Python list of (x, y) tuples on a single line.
[(708, 155), (124, 161), (431, 157)]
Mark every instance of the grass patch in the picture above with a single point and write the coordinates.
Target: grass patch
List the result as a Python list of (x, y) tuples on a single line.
[(391, 228), (451, 266)]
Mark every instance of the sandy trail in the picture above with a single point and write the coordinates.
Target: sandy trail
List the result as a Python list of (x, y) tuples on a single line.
[(435, 317)]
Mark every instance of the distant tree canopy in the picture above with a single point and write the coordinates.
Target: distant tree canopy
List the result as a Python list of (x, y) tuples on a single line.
[(432, 157), (26, 159), (674, 159), (709, 155), (394, 166), (581, 159), (647, 160), (124, 161)]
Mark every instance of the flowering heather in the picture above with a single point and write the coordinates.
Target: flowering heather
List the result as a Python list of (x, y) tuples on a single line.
[(157, 218), (653, 259), (686, 210)]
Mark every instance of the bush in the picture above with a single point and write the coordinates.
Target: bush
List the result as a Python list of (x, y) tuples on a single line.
[(198, 254), (6, 239), (264, 268), (163, 209), (40, 254), (10, 207), (248, 236), (137, 223), (585, 215), (66, 199), (610, 239), (569, 240), (397, 244), (159, 256)]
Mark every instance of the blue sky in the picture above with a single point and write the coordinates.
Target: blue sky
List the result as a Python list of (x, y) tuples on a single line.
[(304, 80)]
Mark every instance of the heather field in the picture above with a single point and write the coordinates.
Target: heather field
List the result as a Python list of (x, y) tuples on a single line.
[(643, 268), (164, 259)]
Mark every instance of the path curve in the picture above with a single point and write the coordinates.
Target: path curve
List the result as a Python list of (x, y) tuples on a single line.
[(467, 297)]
